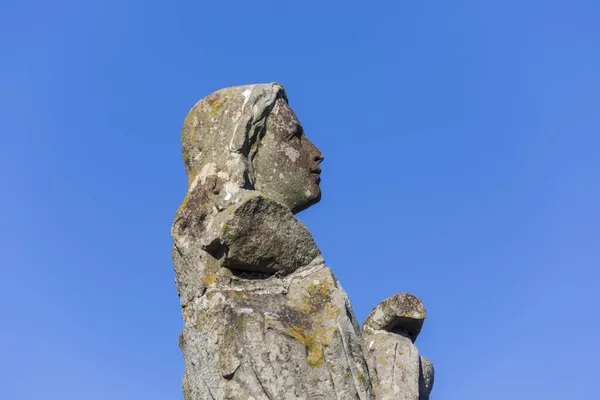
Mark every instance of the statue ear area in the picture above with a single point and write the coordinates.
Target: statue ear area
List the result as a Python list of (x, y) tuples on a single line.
[(260, 235)]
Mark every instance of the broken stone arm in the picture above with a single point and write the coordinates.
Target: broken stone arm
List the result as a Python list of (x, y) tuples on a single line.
[(396, 368)]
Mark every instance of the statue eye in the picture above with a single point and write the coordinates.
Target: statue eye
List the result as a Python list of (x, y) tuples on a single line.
[(297, 135)]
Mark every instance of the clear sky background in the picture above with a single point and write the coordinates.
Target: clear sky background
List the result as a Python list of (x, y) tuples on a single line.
[(461, 143)]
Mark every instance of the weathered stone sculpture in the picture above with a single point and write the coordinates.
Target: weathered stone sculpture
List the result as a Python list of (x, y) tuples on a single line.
[(396, 368), (264, 318)]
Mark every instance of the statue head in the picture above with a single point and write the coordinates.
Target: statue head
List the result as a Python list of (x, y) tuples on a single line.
[(248, 137)]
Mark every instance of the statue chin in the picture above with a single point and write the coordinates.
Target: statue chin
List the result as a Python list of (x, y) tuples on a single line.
[(296, 198), (313, 199)]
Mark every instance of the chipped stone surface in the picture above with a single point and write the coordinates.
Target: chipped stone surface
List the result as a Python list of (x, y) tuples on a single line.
[(254, 235), (264, 317)]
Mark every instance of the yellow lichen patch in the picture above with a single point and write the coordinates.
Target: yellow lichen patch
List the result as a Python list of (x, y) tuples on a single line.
[(192, 177), (215, 106), (314, 342), (319, 289), (251, 196), (209, 279), (316, 327), (183, 204)]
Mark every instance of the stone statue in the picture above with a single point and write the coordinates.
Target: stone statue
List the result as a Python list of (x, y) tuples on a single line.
[(264, 318), (397, 370)]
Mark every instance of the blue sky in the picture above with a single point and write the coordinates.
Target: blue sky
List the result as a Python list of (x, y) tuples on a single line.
[(461, 146)]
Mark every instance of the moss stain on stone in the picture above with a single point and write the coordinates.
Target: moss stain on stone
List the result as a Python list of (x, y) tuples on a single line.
[(215, 106), (183, 204), (313, 331), (209, 279)]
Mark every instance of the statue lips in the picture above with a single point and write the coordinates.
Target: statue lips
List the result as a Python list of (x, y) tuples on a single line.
[(317, 172)]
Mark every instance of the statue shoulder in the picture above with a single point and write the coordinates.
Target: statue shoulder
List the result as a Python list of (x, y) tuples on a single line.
[(258, 234)]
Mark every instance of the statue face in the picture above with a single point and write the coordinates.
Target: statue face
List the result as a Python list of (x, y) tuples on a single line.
[(286, 165)]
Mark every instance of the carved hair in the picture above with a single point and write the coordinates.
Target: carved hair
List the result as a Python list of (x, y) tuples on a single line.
[(230, 122)]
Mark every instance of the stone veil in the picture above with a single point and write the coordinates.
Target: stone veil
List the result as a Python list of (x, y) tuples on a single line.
[(264, 317)]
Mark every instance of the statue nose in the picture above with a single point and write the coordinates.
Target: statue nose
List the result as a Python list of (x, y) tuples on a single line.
[(319, 157)]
